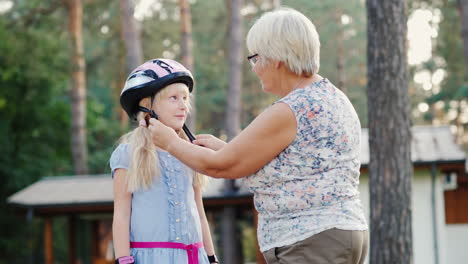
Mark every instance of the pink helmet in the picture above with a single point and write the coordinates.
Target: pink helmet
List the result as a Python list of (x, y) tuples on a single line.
[(149, 78)]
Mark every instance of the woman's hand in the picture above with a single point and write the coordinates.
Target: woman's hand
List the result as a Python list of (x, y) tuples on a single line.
[(209, 141), (162, 135)]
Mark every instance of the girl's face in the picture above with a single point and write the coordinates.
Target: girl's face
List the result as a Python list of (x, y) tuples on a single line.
[(172, 105)]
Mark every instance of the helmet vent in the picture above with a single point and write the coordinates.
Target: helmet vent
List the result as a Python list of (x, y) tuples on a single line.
[(151, 73), (164, 65)]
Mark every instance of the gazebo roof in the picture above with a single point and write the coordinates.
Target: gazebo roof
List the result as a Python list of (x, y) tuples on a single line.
[(91, 190), (430, 145)]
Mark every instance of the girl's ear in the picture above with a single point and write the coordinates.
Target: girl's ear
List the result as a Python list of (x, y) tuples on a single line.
[(278, 64)]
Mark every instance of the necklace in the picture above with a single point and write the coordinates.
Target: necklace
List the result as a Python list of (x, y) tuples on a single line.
[(295, 87), (299, 83)]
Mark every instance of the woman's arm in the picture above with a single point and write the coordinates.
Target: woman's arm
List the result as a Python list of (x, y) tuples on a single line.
[(270, 133), (122, 209), (207, 241)]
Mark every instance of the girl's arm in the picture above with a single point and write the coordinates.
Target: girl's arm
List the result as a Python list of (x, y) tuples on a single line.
[(122, 209), (207, 241), (270, 133)]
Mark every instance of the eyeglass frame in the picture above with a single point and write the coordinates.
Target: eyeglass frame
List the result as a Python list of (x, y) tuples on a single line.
[(250, 59)]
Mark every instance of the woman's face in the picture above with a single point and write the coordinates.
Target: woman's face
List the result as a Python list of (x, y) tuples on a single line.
[(171, 105), (265, 71)]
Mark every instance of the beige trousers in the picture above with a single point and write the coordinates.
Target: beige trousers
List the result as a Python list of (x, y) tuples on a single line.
[(333, 246)]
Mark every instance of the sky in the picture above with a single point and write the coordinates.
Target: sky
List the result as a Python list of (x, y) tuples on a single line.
[(422, 28)]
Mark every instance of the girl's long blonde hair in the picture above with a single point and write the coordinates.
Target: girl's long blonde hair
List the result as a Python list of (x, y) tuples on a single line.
[(144, 162)]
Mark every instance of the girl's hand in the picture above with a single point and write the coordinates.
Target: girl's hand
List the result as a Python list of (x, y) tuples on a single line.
[(209, 141), (162, 135)]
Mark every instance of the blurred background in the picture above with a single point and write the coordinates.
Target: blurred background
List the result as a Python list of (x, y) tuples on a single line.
[(63, 64)]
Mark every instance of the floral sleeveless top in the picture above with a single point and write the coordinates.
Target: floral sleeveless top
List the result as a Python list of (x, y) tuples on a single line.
[(312, 185)]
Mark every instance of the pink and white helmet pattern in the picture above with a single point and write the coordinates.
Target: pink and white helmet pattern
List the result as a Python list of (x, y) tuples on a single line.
[(149, 78)]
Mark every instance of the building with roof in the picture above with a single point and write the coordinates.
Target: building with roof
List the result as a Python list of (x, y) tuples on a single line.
[(439, 198)]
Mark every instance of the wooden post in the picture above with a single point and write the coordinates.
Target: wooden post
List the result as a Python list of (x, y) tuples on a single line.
[(48, 248), (94, 241), (71, 239), (212, 225), (260, 258)]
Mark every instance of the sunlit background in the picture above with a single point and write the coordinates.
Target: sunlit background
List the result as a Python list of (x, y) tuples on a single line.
[(36, 99), (423, 28)]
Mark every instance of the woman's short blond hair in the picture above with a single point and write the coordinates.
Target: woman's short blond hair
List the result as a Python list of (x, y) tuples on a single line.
[(286, 35)]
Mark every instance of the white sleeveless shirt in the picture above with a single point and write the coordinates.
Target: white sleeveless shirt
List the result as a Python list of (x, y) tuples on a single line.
[(312, 185)]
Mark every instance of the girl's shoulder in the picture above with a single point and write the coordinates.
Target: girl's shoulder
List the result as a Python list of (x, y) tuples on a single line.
[(120, 157), (122, 148)]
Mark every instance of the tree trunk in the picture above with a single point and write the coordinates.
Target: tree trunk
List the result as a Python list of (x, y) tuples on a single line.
[(130, 35), (463, 10), (78, 87), (390, 166), (131, 40), (186, 52), (236, 46), (340, 56), (232, 249)]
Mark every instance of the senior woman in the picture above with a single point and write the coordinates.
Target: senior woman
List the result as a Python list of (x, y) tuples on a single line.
[(300, 156)]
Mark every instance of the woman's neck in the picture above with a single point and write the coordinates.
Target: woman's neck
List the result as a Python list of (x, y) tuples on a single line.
[(293, 82)]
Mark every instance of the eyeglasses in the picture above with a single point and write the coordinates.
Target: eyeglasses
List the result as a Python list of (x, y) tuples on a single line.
[(253, 59)]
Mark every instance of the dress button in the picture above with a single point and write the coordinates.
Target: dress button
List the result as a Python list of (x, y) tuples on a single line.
[(174, 186), (177, 238), (171, 170), (177, 220), (177, 203)]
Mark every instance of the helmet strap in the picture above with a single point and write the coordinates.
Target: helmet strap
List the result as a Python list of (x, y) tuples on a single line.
[(151, 102), (150, 112)]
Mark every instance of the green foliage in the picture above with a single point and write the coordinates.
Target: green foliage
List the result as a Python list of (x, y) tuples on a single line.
[(35, 115), (34, 123), (450, 48), (324, 15), (211, 65), (449, 56), (33, 106), (249, 240)]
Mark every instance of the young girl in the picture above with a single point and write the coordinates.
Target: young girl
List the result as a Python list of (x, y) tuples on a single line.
[(158, 210)]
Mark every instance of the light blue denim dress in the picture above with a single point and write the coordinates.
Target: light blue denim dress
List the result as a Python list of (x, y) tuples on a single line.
[(166, 212)]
